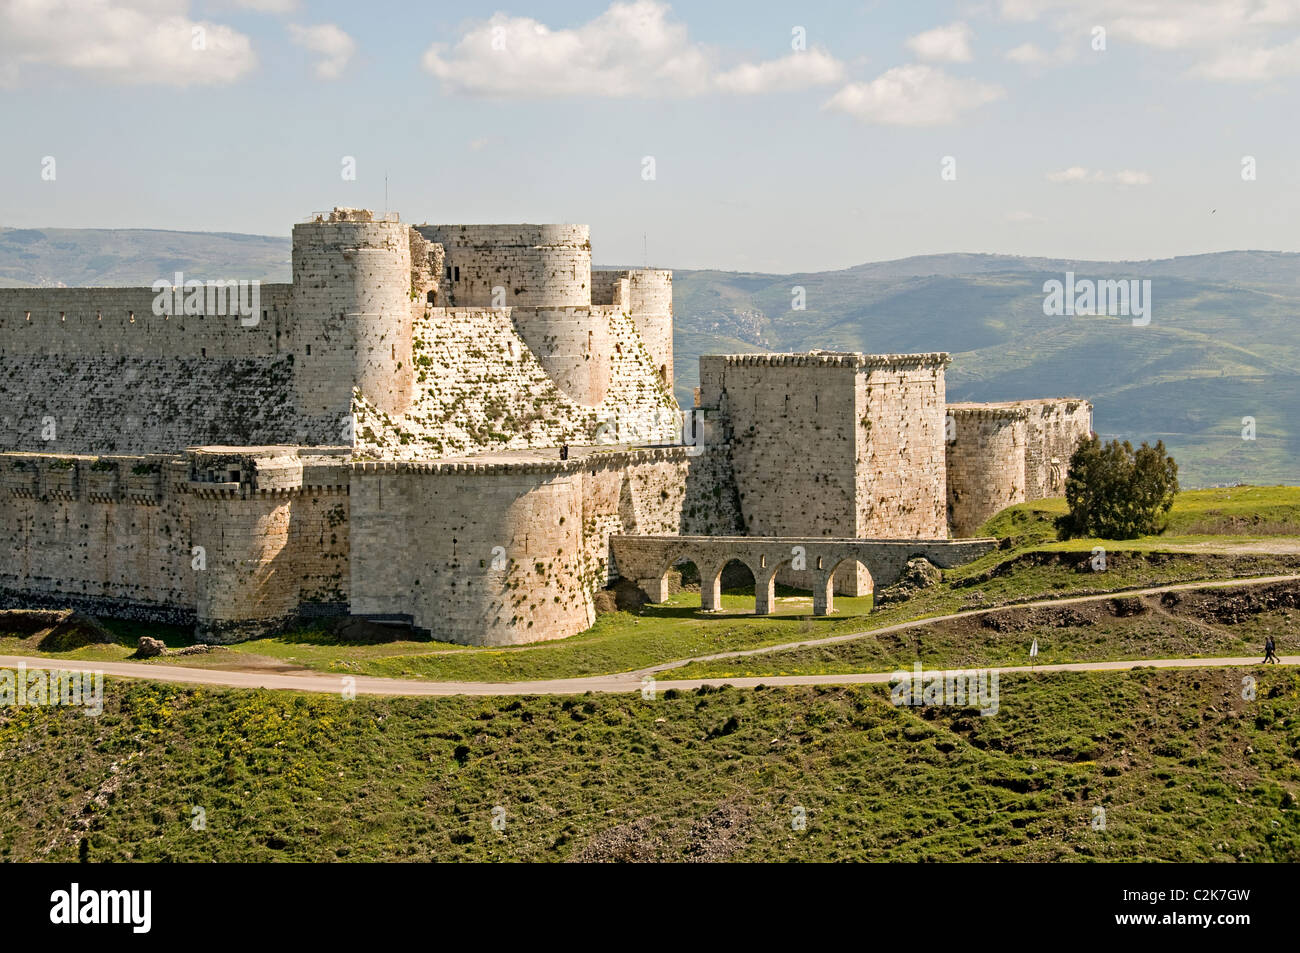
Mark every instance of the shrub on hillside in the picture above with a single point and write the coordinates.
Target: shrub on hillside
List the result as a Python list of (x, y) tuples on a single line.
[(1116, 492)]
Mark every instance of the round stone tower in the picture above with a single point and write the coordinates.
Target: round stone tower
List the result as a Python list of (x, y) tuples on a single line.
[(650, 304), (352, 311), (514, 266)]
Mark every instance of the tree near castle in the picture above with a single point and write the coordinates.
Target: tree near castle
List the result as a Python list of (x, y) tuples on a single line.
[(1116, 492)]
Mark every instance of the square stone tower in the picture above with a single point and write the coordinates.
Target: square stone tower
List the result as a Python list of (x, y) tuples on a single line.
[(834, 444)]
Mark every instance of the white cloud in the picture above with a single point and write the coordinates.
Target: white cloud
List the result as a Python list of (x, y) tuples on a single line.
[(1132, 177), (945, 44), (632, 49), (121, 41), (1251, 30), (915, 95), (334, 46), (1247, 65), (268, 6), (796, 71), (1080, 174), (1027, 54)]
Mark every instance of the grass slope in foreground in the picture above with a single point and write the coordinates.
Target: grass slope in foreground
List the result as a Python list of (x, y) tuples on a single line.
[(1183, 766)]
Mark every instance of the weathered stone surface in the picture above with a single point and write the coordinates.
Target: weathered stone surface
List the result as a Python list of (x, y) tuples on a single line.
[(1007, 453)]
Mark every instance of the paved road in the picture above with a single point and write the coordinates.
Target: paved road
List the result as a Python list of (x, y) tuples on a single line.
[(632, 681)]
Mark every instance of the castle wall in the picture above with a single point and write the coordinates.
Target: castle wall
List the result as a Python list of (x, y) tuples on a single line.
[(275, 527), (470, 555), (661, 492), (610, 287), (86, 370), (535, 266), (985, 463), (234, 541), (843, 445), (790, 421), (792, 427), (1010, 452), (508, 553), (120, 323), (1054, 428), (900, 460), (101, 534)]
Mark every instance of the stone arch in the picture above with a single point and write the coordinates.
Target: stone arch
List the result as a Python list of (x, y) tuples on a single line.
[(655, 586), (765, 583), (824, 589), (711, 581)]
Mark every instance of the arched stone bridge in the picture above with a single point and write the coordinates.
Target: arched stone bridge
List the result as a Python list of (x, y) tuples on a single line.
[(647, 559)]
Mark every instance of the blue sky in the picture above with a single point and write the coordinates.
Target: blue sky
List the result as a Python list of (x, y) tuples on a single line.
[(765, 157)]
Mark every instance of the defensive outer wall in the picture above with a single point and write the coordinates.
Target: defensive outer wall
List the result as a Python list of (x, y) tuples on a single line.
[(381, 437)]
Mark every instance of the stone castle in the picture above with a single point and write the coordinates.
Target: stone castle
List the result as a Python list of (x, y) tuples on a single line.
[(450, 427)]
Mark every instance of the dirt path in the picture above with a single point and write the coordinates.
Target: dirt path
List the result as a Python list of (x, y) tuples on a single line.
[(633, 681), (559, 686), (1275, 546)]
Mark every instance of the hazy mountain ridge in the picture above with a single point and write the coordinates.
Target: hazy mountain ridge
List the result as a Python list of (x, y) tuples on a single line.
[(1222, 343)]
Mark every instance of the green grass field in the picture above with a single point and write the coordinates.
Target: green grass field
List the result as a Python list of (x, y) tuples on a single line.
[(1244, 513), (1183, 767), (1227, 623)]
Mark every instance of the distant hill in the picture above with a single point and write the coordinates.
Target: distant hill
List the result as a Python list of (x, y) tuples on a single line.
[(49, 257), (1223, 342)]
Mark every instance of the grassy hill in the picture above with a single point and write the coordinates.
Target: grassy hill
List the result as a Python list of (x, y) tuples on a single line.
[(1222, 343), (1183, 767)]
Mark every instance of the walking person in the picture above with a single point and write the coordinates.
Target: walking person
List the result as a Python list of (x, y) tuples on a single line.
[(1270, 650)]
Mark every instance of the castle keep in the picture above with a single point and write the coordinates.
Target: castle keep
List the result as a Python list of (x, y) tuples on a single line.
[(381, 437)]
